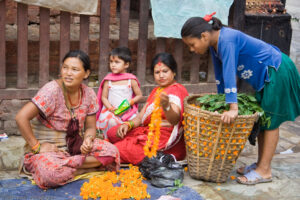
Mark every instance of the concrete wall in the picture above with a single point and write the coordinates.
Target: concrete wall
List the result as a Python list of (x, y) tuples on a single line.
[(293, 8)]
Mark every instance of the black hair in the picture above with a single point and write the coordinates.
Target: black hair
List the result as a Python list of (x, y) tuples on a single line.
[(165, 58), (194, 26), (123, 53), (82, 56)]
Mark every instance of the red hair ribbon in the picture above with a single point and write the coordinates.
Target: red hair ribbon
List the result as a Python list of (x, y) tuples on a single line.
[(209, 17)]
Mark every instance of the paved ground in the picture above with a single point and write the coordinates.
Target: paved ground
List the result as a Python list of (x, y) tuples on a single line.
[(286, 174), (286, 162)]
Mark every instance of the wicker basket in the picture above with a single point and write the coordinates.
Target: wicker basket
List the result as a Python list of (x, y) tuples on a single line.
[(213, 147)]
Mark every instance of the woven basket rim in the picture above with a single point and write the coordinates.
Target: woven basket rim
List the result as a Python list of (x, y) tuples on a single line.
[(185, 102)]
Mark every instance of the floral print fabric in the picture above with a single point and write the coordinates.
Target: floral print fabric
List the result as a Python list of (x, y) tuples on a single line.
[(52, 169), (54, 113)]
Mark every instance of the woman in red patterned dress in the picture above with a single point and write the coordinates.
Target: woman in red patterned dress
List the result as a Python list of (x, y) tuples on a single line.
[(131, 140), (59, 126)]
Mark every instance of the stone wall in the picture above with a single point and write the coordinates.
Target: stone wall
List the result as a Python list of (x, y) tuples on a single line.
[(8, 111), (11, 149)]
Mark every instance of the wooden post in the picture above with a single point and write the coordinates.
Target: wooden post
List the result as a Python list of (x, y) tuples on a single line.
[(2, 45), (239, 14), (194, 70), (178, 51), (44, 45), (124, 23), (160, 45), (210, 70), (84, 33), (64, 35), (22, 60), (104, 38), (142, 41)]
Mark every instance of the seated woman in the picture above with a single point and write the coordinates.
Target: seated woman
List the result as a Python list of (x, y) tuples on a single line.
[(60, 141), (131, 137)]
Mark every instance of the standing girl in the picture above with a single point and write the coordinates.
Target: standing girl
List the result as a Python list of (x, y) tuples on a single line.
[(114, 89), (270, 72)]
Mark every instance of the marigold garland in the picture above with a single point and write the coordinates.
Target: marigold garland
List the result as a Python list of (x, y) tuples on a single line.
[(126, 184), (151, 146)]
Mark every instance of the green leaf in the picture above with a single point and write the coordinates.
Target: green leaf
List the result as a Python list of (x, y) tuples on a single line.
[(216, 102)]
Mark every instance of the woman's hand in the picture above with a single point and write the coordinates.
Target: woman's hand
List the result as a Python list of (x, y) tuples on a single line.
[(87, 145), (122, 130), (164, 100), (229, 116), (48, 147)]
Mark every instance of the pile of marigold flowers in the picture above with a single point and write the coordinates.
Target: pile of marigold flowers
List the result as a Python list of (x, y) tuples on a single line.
[(127, 184), (151, 146)]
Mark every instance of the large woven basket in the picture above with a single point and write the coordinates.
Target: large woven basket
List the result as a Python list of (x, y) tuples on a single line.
[(212, 146)]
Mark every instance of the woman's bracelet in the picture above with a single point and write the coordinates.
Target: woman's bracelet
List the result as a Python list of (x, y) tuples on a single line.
[(36, 148), (87, 136), (167, 108), (130, 124)]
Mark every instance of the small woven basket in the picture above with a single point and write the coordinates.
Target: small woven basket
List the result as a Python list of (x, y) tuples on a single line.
[(213, 147)]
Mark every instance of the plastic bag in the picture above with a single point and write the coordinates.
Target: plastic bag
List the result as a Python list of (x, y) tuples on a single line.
[(123, 107), (162, 170)]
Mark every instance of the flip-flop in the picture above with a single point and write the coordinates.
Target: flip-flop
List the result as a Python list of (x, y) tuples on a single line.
[(253, 178), (247, 169)]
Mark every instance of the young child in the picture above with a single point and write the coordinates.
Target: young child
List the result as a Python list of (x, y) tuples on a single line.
[(114, 89), (270, 72)]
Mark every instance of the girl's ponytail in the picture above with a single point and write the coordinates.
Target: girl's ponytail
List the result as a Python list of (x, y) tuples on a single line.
[(216, 24)]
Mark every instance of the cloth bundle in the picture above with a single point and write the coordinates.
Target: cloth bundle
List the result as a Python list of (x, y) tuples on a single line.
[(75, 6)]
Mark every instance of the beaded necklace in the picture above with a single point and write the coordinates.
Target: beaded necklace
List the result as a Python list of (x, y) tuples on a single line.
[(73, 138), (68, 101)]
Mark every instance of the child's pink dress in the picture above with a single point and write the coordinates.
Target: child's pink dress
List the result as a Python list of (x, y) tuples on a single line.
[(116, 94)]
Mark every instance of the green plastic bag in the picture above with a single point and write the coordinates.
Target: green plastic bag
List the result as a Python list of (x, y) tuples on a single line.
[(123, 107)]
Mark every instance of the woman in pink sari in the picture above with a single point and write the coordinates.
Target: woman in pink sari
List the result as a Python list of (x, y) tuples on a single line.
[(59, 126), (130, 137)]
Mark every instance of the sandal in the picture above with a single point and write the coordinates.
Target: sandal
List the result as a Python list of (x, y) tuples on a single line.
[(247, 169), (253, 178)]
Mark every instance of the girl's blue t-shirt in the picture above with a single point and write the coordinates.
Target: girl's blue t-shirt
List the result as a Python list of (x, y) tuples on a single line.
[(244, 56)]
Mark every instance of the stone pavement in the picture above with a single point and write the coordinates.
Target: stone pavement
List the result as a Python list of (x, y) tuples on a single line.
[(285, 165)]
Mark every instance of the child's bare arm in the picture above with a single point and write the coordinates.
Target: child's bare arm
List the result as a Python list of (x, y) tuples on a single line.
[(104, 96), (137, 91)]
